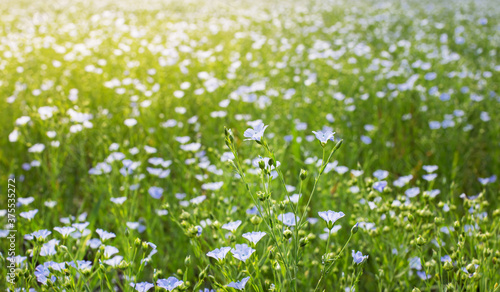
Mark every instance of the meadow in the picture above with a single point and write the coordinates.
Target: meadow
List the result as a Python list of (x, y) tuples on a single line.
[(249, 145)]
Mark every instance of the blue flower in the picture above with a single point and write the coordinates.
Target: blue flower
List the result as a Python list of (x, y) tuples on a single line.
[(432, 193), (232, 226), (358, 257), (430, 176), (240, 285), (434, 125), (288, 219), (109, 251), (256, 133), (142, 287), (29, 214), (422, 275), (254, 237), (80, 226), (242, 252), (49, 248), (415, 263), (155, 192), (119, 200), (324, 136), (412, 192), (487, 180), (104, 235), (39, 234), (381, 174), (80, 265), (219, 253), (446, 258), (42, 272), (169, 284), (65, 231), (430, 76), (379, 185), (114, 262), (331, 217), (430, 168), (365, 139)]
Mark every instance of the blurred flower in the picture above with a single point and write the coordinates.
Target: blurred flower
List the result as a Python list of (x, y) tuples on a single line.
[(412, 192), (288, 219), (379, 185), (232, 226), (104, 235), (155, 192), (29, 214), (114, 262), (65, 231), (142, 287), (240, 285)]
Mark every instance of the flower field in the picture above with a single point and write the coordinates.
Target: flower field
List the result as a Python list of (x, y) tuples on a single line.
[(249, 145)]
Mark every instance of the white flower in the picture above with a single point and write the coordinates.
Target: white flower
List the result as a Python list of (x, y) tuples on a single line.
[(14, 135), (130, 122), (37, 148)]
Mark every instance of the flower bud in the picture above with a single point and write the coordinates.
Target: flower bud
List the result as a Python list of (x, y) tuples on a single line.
[(303, 174), (354, 229), (123, 265), (184, 215), (262, 164), (287, 233), (62, 248), (420, 240), (438, 220), (187, 261), (471, 268), (448, 266), (192, 231), (262, 196), (255, 220), (216, 224), (272, 252)]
